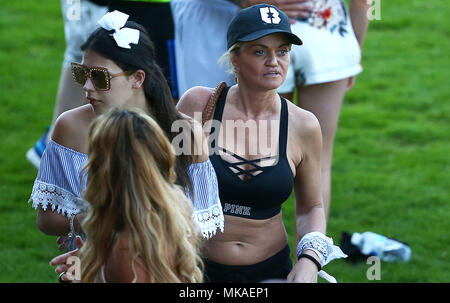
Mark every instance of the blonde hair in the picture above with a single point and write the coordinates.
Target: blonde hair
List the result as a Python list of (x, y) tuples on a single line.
[(227, 57), (131, 186)]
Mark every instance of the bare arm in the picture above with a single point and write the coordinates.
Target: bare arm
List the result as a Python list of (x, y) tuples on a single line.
[(199, 146), (310, 215), (67, 132), (309, 208), (360, 22), (191, 104), (52, 223)]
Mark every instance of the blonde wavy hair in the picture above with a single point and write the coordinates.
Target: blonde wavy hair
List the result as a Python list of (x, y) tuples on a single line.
[(227, 57), (131, 187)]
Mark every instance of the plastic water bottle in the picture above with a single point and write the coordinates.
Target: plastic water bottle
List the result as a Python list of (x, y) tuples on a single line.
[(372, 244)]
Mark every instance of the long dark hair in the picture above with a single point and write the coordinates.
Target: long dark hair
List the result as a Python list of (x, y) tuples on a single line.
[(160, 104)]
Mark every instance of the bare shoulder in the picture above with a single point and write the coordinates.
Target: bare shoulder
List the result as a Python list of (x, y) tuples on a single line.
[(304, 134), (303, 123), (71, 127), (194, 101)]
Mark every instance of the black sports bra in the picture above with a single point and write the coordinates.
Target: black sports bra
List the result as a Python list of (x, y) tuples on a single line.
[(260, 196)]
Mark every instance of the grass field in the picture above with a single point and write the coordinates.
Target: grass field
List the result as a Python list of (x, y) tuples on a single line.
[(391, 160)]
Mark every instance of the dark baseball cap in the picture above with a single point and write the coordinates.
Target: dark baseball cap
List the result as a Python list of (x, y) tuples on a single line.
[(258, 21)]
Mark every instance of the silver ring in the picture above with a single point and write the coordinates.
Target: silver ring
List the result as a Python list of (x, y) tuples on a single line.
[(60, 280)]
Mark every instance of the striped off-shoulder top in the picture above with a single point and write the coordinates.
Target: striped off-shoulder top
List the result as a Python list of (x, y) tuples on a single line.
[(61, 181)]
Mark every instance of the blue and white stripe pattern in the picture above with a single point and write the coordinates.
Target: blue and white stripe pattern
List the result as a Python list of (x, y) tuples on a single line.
[(61, 180), (207, 207), (58, 181)]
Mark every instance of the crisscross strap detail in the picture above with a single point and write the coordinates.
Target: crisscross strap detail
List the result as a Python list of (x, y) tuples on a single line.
[(243, 161), (282, 140)]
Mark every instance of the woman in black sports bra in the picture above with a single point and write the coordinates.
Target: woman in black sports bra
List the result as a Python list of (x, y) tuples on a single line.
[(262, 147)]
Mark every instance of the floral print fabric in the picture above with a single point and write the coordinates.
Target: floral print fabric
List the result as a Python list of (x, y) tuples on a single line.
[(329, 15)]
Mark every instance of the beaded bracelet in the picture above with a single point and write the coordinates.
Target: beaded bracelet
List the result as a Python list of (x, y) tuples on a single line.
[(72, 232)]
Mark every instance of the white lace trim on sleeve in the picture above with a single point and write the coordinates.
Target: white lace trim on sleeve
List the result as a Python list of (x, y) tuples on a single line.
[(205, 199), (323, 246), (61, 200), (209, 220)]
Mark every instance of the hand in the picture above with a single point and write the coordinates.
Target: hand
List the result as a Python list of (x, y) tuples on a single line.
[(63, 242), (304, 271), (61, 261), (295, 8), (292, 8), (350, 83)]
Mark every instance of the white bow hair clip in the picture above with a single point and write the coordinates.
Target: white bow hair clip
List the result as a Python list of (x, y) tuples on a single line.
[(123, 35)]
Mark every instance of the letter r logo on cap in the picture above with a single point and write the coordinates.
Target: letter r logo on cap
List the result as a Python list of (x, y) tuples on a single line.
[(269, 15)]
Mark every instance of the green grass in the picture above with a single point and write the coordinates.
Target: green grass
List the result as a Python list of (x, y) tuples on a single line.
[(391, 158)]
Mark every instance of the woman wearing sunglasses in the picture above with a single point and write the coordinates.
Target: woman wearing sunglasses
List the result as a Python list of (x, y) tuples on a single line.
[(118, 69)]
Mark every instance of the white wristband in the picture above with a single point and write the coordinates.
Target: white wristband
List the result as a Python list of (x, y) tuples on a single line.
[(322, 245)]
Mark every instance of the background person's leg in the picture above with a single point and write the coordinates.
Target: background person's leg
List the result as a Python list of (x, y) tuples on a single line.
[(324, 100), (70, 94)]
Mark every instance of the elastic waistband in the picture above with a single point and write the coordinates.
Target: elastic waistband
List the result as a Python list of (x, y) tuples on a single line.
[(250, 212), (278, 258)]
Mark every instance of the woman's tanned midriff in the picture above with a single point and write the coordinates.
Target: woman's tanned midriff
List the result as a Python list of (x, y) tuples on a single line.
[(246, 241)]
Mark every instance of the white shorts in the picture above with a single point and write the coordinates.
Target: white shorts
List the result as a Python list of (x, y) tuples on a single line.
[(330, 51), (200, 40), (80, 20)]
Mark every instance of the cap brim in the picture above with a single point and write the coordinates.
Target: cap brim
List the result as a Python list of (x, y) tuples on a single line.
[(258, 34)]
